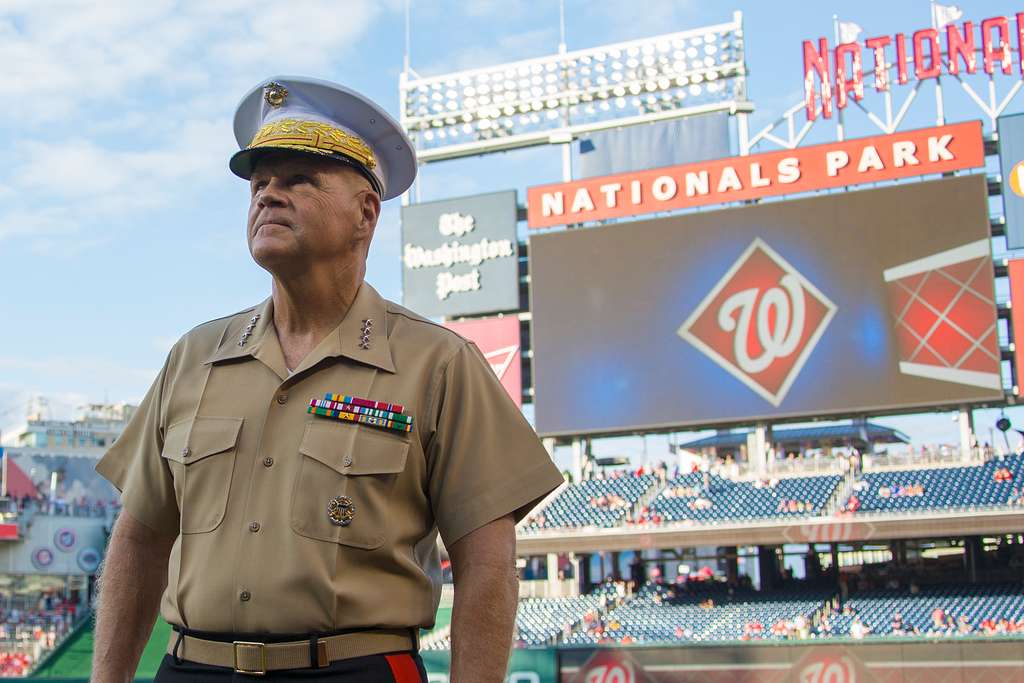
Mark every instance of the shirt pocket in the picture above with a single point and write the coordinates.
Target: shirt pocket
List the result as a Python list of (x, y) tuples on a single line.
[(360, 469), (201, 455)]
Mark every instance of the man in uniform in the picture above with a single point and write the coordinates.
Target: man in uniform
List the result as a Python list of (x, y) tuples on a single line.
[(285, 479)]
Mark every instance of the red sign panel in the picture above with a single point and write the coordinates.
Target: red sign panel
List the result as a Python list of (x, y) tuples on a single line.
[(836, 164), (499, 341), (942, 305), (8, 532), (1016, 271)]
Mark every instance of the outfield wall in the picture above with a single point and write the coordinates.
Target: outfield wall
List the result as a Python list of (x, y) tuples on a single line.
[(890, 660)]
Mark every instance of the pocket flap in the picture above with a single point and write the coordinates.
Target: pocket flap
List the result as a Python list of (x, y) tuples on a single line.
[(348, 449), (175, 439), (192, 440)]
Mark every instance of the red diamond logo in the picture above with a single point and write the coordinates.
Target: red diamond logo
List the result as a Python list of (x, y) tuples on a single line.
[(760, 322)]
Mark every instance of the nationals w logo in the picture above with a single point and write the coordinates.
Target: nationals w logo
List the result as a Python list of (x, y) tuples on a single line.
[(760, 322)]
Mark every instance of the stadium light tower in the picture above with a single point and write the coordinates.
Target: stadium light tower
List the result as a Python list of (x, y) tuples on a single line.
[(554, 99)]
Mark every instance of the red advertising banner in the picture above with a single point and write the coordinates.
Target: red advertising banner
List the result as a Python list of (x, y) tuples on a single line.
[(499, 341), (872, 159), (1016, 272), (8, 532)]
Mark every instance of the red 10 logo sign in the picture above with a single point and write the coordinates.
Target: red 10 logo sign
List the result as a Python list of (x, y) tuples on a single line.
[(841, 670), (616, 672)]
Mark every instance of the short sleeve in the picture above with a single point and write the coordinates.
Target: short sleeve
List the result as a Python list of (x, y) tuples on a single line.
[(134, 466), (484, 460)]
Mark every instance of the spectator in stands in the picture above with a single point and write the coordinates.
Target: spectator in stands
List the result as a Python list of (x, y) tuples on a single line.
[(1002, 474), (859, 629), (1018, 496)]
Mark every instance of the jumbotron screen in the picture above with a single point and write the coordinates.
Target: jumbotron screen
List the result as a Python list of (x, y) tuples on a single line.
[(864, 301)]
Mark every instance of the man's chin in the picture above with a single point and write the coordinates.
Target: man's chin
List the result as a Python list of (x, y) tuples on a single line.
[(272, 255)]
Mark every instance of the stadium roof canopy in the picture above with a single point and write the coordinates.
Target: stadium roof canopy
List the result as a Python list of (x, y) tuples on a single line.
[(808, 437)]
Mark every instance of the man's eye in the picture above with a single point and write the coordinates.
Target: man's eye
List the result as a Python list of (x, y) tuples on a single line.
[(258, 185), (300, 179)]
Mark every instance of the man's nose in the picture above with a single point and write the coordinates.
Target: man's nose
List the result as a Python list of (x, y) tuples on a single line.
[(272, 193)]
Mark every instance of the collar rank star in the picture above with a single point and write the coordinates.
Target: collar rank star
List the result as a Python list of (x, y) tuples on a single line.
[(248, 330), (364, 338), (341, 511)]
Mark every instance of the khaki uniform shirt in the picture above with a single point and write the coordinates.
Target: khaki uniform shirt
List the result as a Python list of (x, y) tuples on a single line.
[(223, 455)]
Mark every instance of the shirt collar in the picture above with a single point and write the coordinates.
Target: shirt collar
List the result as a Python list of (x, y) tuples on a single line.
[(366, 318)]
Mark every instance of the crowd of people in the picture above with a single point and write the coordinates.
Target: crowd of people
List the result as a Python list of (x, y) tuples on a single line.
[(29, 629), (15, 663), (1002, 474), (941, 623), (82, 506), (794, 505), (901, 491), (609, 501)]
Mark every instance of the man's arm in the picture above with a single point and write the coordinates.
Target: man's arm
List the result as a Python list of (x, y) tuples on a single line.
[(486, 595), (132, 579)]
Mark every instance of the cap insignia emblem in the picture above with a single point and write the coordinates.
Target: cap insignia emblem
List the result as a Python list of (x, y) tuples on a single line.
[(341, 510), (274, 94)]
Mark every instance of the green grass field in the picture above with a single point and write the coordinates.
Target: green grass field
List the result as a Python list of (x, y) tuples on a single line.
[(73, 659)]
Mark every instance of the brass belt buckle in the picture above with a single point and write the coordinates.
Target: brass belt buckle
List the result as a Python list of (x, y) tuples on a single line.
[(263, 658)]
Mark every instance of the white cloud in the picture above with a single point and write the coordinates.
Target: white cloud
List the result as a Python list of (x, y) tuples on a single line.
[(119, 108)]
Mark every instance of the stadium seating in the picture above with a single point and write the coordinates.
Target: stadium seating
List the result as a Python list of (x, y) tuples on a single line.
[(684, 498), (542, 621), (971, 487), (596, 503), (661, 614), (611, 502), (969, 608)]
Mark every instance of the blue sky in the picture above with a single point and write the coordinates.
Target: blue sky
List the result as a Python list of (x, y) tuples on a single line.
[(120, 224)]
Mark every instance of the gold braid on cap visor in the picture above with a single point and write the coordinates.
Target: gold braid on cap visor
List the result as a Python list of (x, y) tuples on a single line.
[(313, 136)]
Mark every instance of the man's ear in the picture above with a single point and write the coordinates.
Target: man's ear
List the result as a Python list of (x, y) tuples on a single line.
[(369, 206)]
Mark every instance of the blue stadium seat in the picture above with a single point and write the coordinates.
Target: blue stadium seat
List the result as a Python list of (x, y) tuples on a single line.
[(684, 498), (578, 505), (970, 487)]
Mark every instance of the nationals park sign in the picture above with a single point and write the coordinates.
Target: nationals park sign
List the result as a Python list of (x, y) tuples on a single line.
[(839, 72), (939, 149)]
